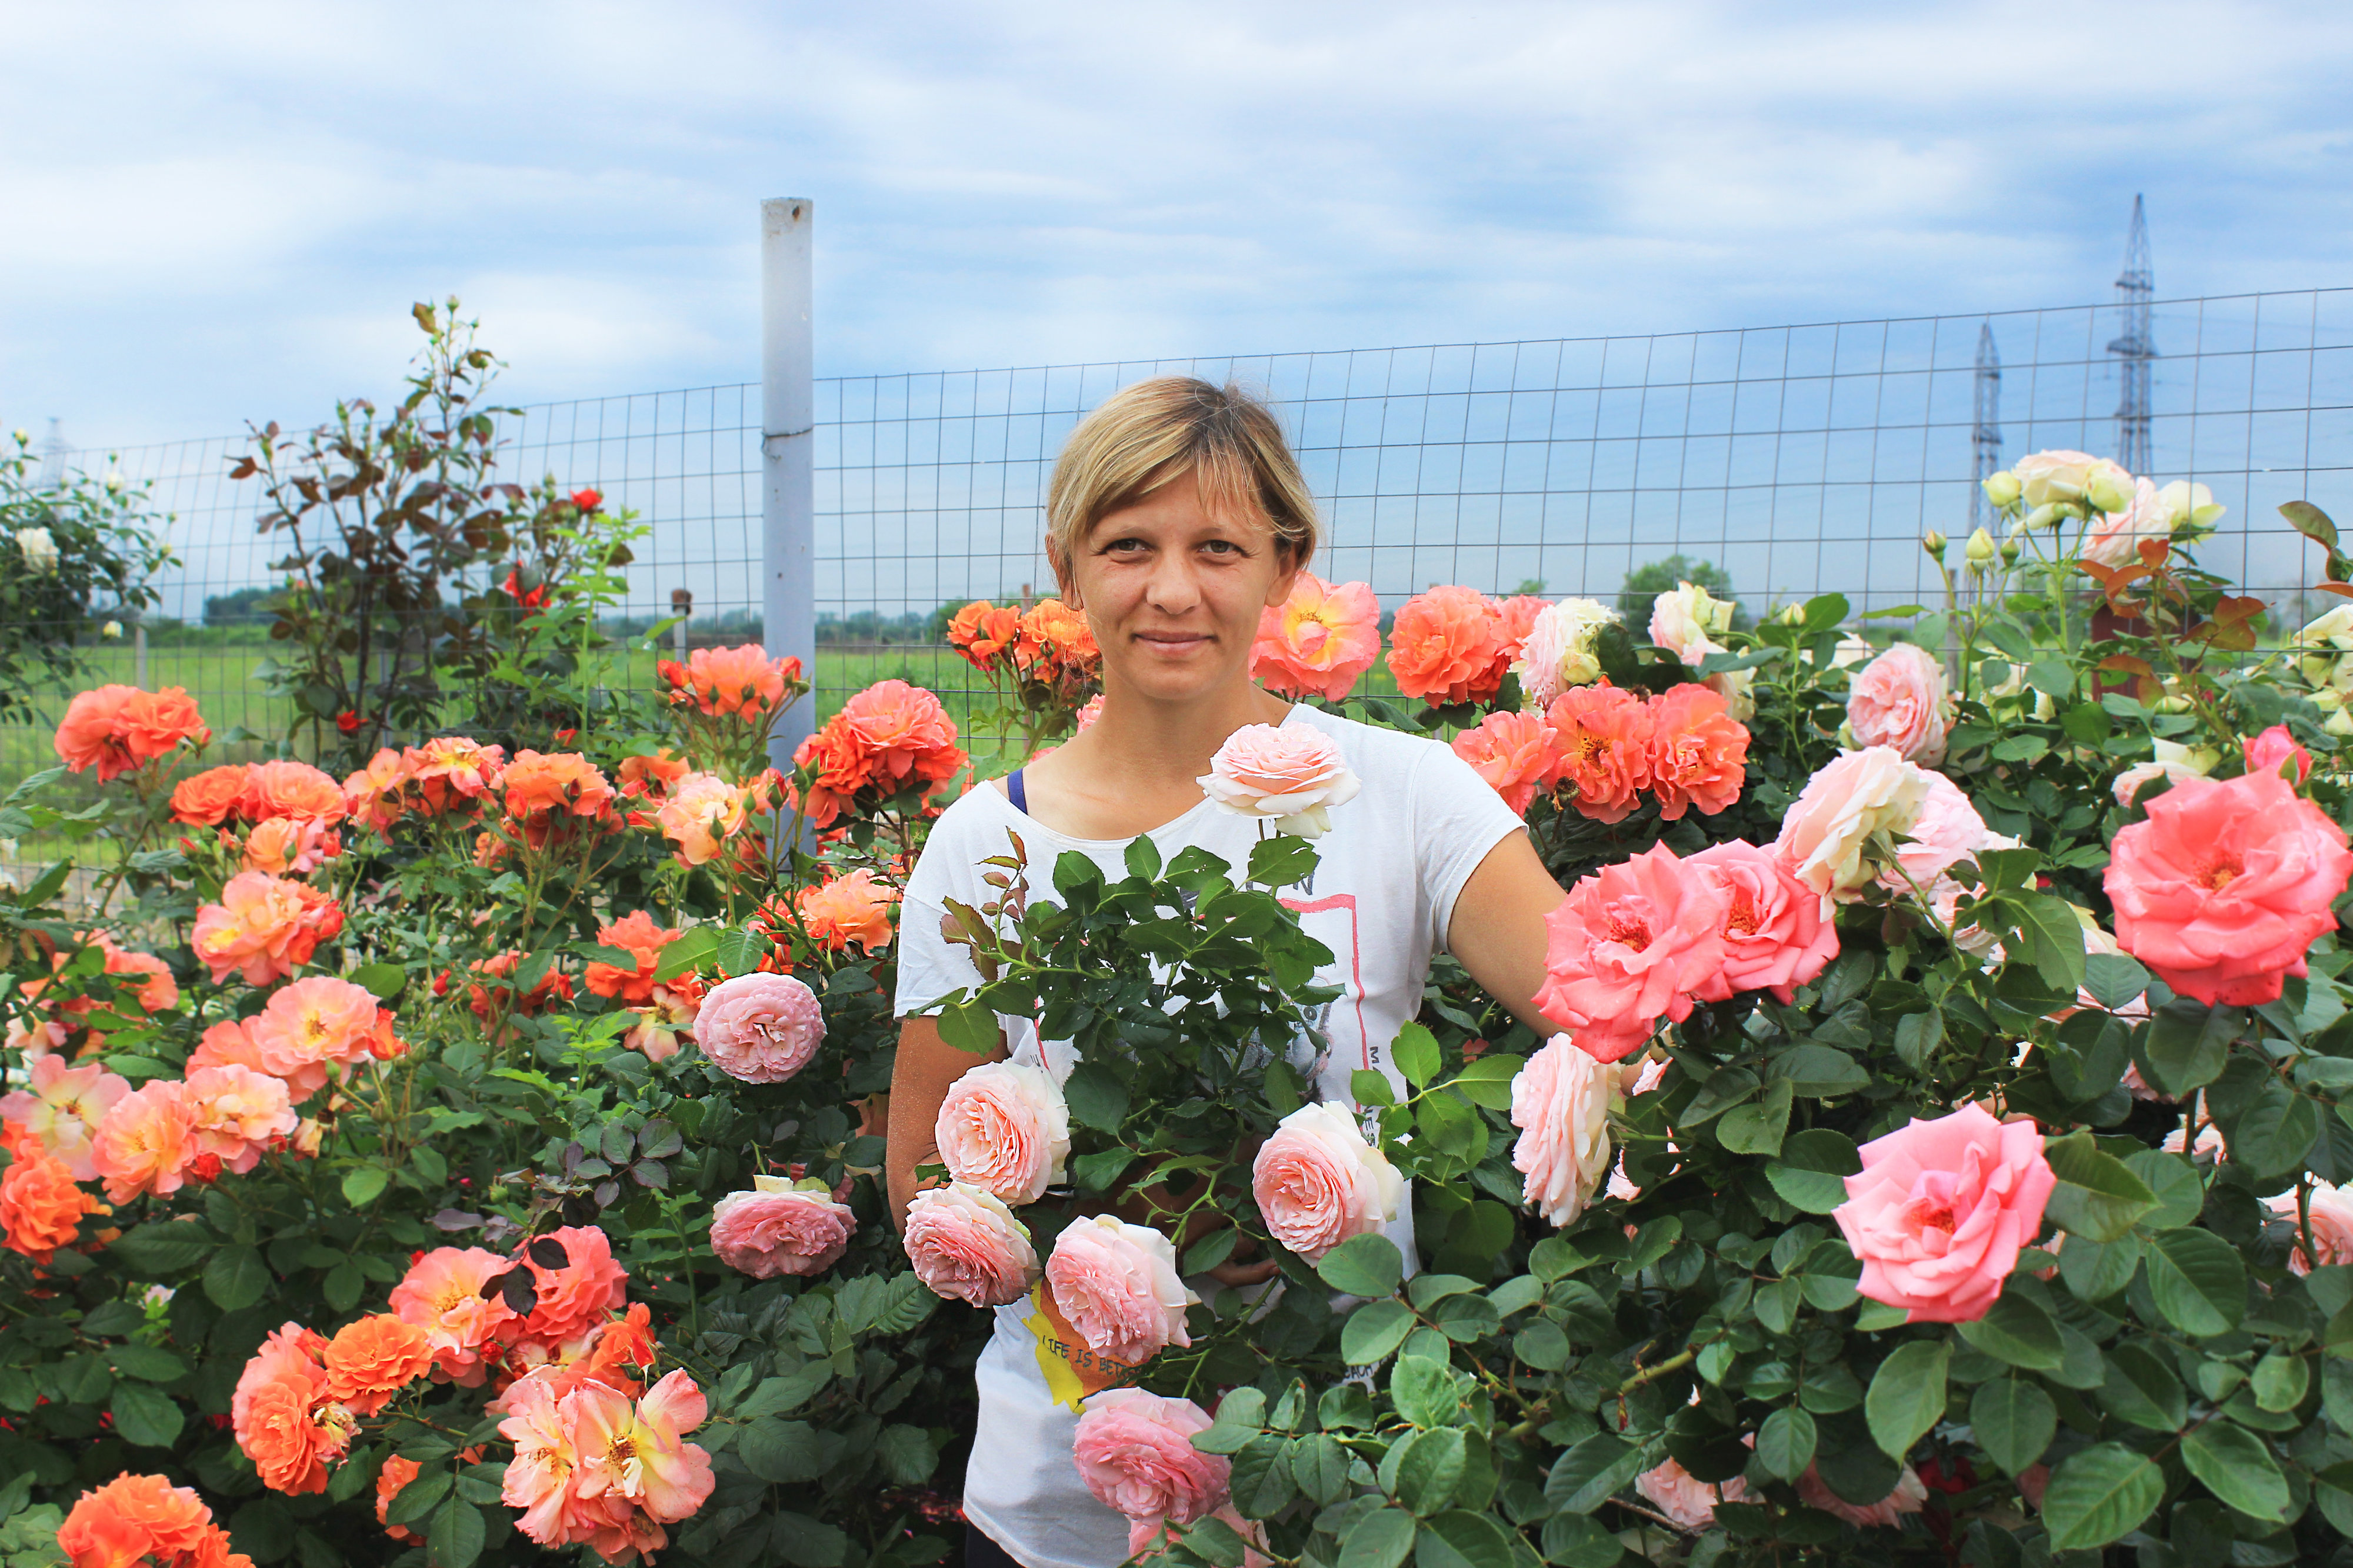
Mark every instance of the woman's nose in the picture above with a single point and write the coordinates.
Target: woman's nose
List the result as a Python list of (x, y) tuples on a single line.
[(1171, 589)]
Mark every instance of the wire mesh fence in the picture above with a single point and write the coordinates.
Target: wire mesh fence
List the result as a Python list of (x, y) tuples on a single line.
[(1798, 459)]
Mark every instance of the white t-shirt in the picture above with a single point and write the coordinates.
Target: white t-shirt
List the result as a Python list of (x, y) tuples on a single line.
[(1381, 899)]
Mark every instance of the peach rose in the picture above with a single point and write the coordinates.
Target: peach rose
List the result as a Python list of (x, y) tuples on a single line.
[(652, 777), (1941, 1210), (907, 734), (1317, 1182), (544, 789), (1825, 833), (1686, 1500), (289, 789), (41, 1206), (62, 1106), (1560, 1104), (146, 1142), (150, 723), (442, 1295), (1628, 946), (264, 928), (290, 845), (967, 1246), (574, 1300), (1516, 753), (396, 1473), (373, 795), (1053, 641), (1557, 651), (90, 734), (2331, 1214), (850, 910), (737, 680), (1004, 1129), (1447, 646), (635, 932), (1289, 777), (2225, 884), (1699, 755), (540, 1478), (370, 1360), (1134, 1451), (778, 1229), (209, 798), (228, 1043), (310, 1026), (1116, 1285), (1776, 937), (271, 1408), (1604, 735), (760, 1028), (450, 773), (634, 1453), (1518, 617), (1319, 640), (1899, 701), (133, 1518), (236, 1113), (699, 816), (1907, 1497)]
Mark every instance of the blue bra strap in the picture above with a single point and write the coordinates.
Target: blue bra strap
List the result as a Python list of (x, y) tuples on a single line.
[(1016, 792)]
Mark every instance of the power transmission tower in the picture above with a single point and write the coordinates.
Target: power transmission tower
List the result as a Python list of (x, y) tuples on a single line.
[(2136, 289), (1986, 421)]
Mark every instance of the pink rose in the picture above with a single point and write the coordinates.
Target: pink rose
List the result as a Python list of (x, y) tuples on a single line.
[(1116, 1284), (1628, 946), (1516, 753), (1319, 640), (1560, 1104), (238, 1112), (2332, 1222), (1004, 1129), (1291, 776), (1135, 1450), (1089, 715), (778, 1230), (2272, 752), (1899, 700), (1941, 1210), (1318, 1182), (1690, 1502), (1946, 832), (1774, 937), (1909, 1493), (1826, 830), (761, 1028), (967, 1247), (2225, 884)]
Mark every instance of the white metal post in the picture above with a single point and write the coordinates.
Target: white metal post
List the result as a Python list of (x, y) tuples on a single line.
[(787, 448)]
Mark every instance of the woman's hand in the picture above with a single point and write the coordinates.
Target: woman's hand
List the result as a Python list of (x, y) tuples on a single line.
[(921, 1075), (1497, 931)]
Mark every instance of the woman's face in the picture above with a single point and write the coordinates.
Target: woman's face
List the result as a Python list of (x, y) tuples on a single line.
[(1174, 593)]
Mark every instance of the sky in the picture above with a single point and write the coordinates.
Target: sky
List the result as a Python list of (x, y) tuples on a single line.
[(221, 213)]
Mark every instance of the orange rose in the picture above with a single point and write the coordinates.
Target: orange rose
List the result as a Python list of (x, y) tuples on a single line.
[(289, 789), (372, 1360), (1699, 755), (635, 933), (852, 908), (842, 765), (90, 734), (450, 771), (152, 722), (41, 1204), (397, 1473), (1448, 645), (207, 799), (264, 927), (283, 1442), (482, 999), (290, 845), (1604, 741), (981, 631), (132, 1517), (910, 736), (1053, 638), (543, 788), (372, 794), (575, 1299), (701, 815), (652, 778), (723, 681)]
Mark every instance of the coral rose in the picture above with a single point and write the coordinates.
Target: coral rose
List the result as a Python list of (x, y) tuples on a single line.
[(1899, 701), (544, 790), (1560, 1104), (1825, 833), (760, 1028), (1557, 651), (967, 1246), (1628, 946), (1516, 753), (1087, 715), (851, 910), (1116, 1284), (133, 1518), (1448, 646), (375, 795), (62, 1106), (290, 845), (2276, 751), (1317, 1182), (153, 723), (1134, 1451), (1004, 1129), (981, 631), (1688, 1501), (270, 1410), (90, 734), (41, 1206), (632, 1453), (574, 1300), (699, 816), (450, 773), (777, 1229), (289, 789), (310, 1026), (209, 798), (737, 680), (635, 932), (906, 732), (264, 928), (1289, 775), (1699, 755), (147, 1141), (1053, 642), (652, 777), (1776, 937), (1604, 738), (1909, 1494), (238, 1112), (2224, 885), (1941, 1210), (396, 1473), (442, 1295), (370, 1360), (1319, 640)]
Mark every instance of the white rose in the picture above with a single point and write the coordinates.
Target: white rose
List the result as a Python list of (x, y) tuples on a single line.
[(1558, 651), (40, 550), (2199, 760), (2002, 489), (1686, 620), (2061, 477)]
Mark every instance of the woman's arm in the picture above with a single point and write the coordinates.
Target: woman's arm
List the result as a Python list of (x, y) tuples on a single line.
[(925, 1067), (1498, 931)]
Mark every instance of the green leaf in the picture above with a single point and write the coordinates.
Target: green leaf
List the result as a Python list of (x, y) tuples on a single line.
[(149, 1364), (1460, 1539), (1907, 1396), (1820, 1072), (1918, 1035), (1213, 1540), (145, 1417), (1381, 1538), (1583, 1479), (2014, 1421), (456, 1536), (1812, 1169), (1427, 1466), (1369, 1088), (1785, 1443), (1374, 1330), (1320, 1465), (1758, 1126), (1416, 1054), (2096, 1271), (739, 952), (423, 1493), (2198, 1280), (2239, 1469), (969, 1027), (2097, 1195), (783, 1451), (2099, 1495), (1363, 1266), (689, 951), (2186, 1043), (157, 1248), (2114, 978), (384, 981), (2281, 1382), (362, 1184), (2141, 1389), (2179, 1193), (1096, 1096), (237, 1276), (2272, 1136), (2057, 938)]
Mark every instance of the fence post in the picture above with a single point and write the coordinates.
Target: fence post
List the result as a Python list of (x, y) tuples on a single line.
[(787, 451)]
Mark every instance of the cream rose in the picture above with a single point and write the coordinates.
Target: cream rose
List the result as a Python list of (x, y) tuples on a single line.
[(1560, 1102), (1558, 650), (1827, 831), (1004, 1128), (1318, 1182), (1686, 620), (1899, 700), (2329, 639), (2059, 477), (1289, 775)]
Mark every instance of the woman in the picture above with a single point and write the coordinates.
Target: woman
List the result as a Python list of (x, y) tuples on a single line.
[(1176, 515)]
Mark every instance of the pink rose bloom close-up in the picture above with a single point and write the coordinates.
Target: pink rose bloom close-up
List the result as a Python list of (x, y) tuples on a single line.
[(63, 1107), (1318, 1182), (1827, 829), (761, 1028), (1630, 945), (1560, 1104), (775, 1229), (1699, 754), (1941, 1210), (2332, 1224), (1899, 701), (1319, 640), (1134, 1451), (2225, 884), (1774, 937), (1289, 775), (1117, 1285), (238, 1112), (1689, 1502), (1910, 1492), (442, 1294), (314, 1024), (967, 1246), (1516, 753), (1005, 1128)]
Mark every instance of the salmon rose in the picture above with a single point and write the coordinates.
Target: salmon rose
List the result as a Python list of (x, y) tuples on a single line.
[(1942, 1209), (289, 789), (1319, 640), (209, 798), (41, 1205), (90, 734), (1604, 734), (1516, 753), (1448, 646), (848, 910)]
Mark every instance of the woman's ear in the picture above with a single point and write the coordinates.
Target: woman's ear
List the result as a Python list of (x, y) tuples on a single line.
[(1066, 583), (1289, 564)]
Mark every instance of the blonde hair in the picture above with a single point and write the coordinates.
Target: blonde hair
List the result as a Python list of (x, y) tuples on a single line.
[(1145, 436)]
